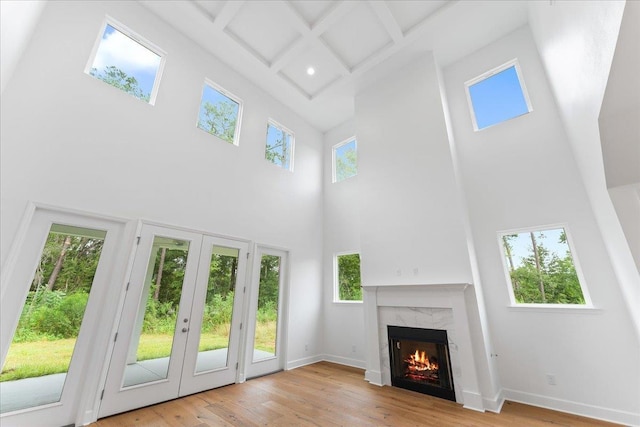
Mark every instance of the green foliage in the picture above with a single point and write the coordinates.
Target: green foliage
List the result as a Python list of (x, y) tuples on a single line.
[(219, 119), (51, 315), (115, 77), (557, 274), (346, 166), (349, 281), (278, 151)]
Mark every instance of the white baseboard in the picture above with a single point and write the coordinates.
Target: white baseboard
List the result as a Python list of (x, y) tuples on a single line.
[(495, 403), (354, 363), (591, 411), (293, 364)]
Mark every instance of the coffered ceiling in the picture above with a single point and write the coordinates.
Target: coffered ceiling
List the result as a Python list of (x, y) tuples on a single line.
[(349, 44)]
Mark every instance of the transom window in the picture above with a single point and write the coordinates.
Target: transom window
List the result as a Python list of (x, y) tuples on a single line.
[(497, 96), (123, 60), (279, 147), (345, 160), (541, 268), (220, 113), (347, 280)]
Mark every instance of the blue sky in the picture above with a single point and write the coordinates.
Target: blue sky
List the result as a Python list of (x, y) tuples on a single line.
[(498, 98), (521, 245), (214, 97), (273, 136), (342, 150), (129, 56)]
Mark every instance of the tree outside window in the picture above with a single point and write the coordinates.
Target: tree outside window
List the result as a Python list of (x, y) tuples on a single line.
[(219, 114), (345, 160), (279, 147), (348, 286), (541, 268)]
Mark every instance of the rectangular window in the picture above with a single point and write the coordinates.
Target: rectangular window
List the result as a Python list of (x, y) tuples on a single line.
[(347, 278), (220, 113), (345, 160), (123, 60), (497, 96), (279, 148), (541, 268)]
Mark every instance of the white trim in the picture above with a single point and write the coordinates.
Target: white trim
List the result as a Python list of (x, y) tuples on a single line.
[(125, 30), (512, 63), (232, 97), (581, 409), (298, 363), (346, 361), (271, 122), (588, 304), (336, 290), (334, 178)]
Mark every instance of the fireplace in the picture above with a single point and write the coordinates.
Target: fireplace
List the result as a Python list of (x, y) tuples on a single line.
[(419, 361)]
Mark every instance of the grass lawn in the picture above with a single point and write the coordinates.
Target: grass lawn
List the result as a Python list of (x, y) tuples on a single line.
[(38, 358)]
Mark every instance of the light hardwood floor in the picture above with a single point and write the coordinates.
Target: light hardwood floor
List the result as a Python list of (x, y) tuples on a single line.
[(326, 394)]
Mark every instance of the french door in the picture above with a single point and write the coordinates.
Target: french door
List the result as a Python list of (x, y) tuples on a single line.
[(265, 332), (180, 325)]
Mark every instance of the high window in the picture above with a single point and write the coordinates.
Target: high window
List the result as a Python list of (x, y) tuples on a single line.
[(497, 95), (220, 113), (541, 268), (345, 160), (123, 60), (347, 278), (279, 147)]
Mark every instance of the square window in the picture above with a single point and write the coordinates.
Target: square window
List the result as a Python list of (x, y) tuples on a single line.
[(345, 160), (123, 61), (347, 278), (279, 148), (541, 268), (497, 96), (220, 113)]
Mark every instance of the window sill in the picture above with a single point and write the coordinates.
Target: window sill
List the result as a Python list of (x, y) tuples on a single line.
[(555, 308), (346, 302)]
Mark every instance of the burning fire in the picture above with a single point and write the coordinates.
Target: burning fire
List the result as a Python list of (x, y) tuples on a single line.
[(419, 361), (421, 367)]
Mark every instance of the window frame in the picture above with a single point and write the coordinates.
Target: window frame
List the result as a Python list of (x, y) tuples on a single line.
[(284, 129), (488, 74), (336, 282), (234, 98), (334, 177), (588, 303), (118, 26)]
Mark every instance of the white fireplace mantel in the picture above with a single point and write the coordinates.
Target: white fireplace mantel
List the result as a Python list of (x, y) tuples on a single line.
[(449, 296)]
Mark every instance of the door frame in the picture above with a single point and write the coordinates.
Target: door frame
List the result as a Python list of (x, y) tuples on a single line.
[(77, 403), (255, 369)]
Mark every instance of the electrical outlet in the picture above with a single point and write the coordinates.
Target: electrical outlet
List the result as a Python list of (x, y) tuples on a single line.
[(551, 379), (353, 349), (306, 347)]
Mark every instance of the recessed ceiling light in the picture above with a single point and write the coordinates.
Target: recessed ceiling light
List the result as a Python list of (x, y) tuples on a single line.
[(311, 71)]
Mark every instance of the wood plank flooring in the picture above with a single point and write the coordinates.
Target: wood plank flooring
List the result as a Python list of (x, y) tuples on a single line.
[(326, 394)]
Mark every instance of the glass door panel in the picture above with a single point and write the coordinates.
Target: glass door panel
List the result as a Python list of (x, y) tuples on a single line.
[(36, 366), (218, 310), (152, 341), (266, 329)]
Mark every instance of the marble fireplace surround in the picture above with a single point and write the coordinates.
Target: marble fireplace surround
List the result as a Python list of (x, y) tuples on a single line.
[(422, 306)]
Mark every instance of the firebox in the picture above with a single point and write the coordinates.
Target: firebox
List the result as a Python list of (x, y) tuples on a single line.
[(419, 361)]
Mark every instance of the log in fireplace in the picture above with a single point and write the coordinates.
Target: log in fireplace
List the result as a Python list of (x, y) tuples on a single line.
[(419, 361)]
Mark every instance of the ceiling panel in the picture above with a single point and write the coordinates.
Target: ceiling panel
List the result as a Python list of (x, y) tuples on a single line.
[(409, 13), (320, 59), (263, 28), (357, 36), (312, 11), (212, 7)]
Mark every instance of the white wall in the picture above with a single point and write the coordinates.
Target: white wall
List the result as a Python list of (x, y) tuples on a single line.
[(576, 41), (344, 333), (17, 21), (410, 215), (522, 173), (72, 141)]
